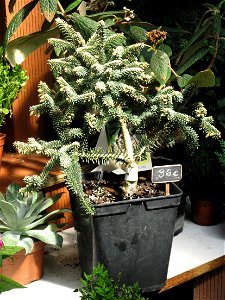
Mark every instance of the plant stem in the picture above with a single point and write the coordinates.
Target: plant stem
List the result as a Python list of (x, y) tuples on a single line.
[(61, 9), (127, 141), (130, 183)]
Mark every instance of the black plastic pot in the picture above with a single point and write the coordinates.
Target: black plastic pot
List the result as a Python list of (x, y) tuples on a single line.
[(179, 224), (132, 237)]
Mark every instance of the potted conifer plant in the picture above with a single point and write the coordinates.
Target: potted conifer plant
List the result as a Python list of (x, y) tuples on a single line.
[(103, 87)]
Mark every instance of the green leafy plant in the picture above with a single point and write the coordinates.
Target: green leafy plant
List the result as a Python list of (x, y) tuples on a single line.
[(197, 54), (99, 285), (23, 218), (12, 79), (6, 283), (103, 80), (18, 49)]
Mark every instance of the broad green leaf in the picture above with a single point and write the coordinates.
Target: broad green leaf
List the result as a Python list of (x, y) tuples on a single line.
[(47, 203), (138, 33), (183, 80), (196, 36), (196, 57), (7, 284), (2, 196), (73, 5), (11, 238), (49, 8), (11, 5), (84, 25), (30, 202), (47, 25), (160, 65), (47, 217), (7, 251), (22, 223), (146, 54), (19, 17), (21, 208), (48, 235), (87, 27), (4, 228), (27, 243), (211, 7), (18, 49), (191, 52), (12, 192), (35, 204), (220, 4), (100, 15), (166, 49), (204, 78), (9, 212)]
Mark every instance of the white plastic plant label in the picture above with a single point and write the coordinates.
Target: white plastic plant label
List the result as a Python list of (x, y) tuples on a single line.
[(146, 164), (119, 168)]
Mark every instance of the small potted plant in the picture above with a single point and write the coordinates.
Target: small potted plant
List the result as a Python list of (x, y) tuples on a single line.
[(104, 88), (12, 79), (24, 223)]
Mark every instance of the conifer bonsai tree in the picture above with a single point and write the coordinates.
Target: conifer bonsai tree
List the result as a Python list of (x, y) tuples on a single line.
[(102, 80)]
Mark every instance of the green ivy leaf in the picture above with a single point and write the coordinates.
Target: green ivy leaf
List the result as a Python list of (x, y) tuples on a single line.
[(49, 8), (160, 65)]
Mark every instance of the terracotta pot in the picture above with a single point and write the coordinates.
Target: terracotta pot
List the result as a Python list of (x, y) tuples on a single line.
[(25, 268), (206, 212), (2, 142)]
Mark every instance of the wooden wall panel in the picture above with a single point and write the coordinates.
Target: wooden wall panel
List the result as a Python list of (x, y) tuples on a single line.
[(210, 286), (21, 125)]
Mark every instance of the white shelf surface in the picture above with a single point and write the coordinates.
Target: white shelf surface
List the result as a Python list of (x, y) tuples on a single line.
[(193, 247)]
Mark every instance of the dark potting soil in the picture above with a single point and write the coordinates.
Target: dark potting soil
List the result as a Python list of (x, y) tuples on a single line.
[(108, 189)]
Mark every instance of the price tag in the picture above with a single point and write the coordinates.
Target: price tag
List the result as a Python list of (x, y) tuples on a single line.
[(166, 173)]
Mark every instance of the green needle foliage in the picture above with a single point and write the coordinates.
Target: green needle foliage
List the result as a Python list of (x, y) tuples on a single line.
[(100, 81)]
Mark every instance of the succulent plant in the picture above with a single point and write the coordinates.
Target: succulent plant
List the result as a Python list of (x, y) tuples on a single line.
[(23, 218)]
